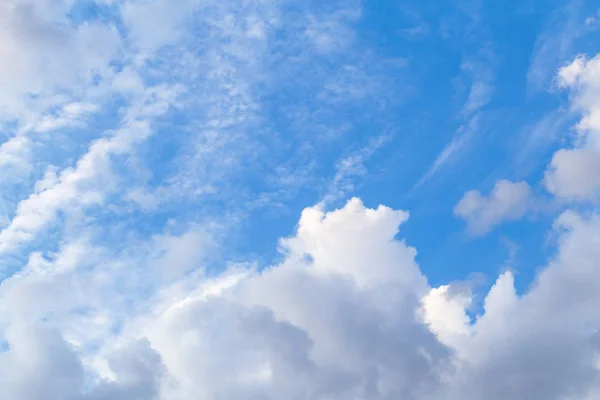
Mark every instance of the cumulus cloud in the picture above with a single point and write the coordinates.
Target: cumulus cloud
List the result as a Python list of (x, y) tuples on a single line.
[(573, 173), (346, 314), (40, 362), (507, 201)]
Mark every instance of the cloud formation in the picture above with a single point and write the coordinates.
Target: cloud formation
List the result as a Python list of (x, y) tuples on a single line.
[(346, 314), (506, 201), (573, 173), (138, 137)]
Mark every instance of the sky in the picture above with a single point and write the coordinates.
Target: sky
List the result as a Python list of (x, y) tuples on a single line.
[(299, 199)]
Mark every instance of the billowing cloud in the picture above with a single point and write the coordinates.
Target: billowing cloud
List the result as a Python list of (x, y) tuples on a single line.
[(573, 173), (346, 314)]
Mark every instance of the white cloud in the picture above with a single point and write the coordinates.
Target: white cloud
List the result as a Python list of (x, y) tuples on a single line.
[(39, 362), (573, 173), (42, 54), (319, 325), (55, 72), (91, 179), (444, 311), (569, 74), (540, 344), (14, 155), (346, 314), (177, 255), (71, 114), (507, 201)]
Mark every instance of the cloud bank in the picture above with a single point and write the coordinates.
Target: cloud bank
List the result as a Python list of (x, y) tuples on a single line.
[(346, 314)]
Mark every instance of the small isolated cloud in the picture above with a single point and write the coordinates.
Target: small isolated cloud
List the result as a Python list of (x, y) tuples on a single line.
[(573, 174), (508, 201)]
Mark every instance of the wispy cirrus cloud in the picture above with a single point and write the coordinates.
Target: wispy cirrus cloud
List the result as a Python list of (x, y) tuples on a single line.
[(480, 72), (554, 44)]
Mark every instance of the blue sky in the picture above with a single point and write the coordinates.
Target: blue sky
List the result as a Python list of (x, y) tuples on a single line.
[(254, 199)]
